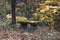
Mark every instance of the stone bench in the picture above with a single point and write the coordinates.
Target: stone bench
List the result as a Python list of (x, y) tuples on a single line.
[(30, 23)]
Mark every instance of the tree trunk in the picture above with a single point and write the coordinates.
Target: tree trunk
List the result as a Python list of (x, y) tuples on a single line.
[(13, 5)]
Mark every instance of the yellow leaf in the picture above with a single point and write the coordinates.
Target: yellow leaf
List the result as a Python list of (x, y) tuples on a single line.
[(42, 18)]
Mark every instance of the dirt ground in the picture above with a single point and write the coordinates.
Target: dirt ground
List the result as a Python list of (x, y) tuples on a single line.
[(40, 33)]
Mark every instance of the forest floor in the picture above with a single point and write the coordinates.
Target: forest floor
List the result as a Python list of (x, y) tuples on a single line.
[(40, 33), (7, 32)]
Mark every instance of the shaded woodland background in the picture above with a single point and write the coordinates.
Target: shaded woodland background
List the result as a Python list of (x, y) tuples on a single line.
[(46, 11)]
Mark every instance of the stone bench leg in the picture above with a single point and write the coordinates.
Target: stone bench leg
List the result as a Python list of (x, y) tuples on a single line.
[(23, 25)]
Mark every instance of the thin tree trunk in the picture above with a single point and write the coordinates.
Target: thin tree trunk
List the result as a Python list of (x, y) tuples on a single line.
[(13, 2)]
